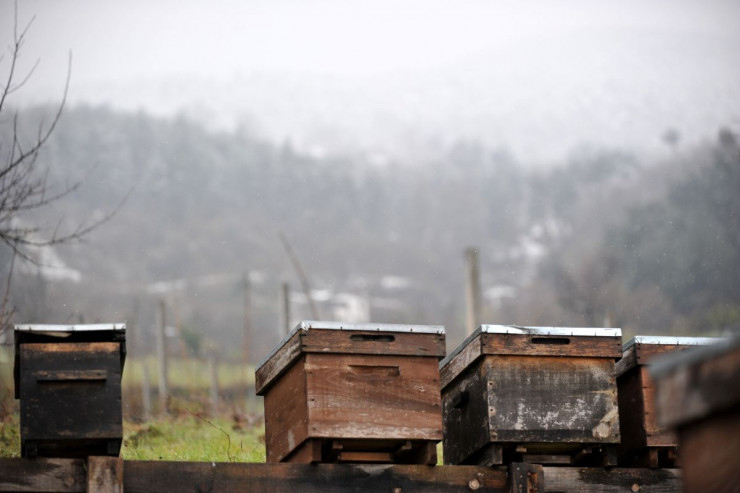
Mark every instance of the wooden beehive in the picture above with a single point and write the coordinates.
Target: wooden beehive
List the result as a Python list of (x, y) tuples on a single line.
[(533, 394), (353, 393), (68, 380), (698, 395), (644, 443)]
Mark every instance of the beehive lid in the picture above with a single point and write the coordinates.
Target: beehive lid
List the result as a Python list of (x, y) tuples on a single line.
[(353, 338), (640, 350), (534, 341), (670, 341), (45, 333)]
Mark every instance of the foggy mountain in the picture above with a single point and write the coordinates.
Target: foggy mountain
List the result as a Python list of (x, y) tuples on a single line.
[(540, 97), (571, 245)]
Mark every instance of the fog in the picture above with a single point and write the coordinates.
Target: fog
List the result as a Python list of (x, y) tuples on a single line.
[(587, 151), (399, 78)]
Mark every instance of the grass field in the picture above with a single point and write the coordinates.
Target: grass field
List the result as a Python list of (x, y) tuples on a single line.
[(188, 438)]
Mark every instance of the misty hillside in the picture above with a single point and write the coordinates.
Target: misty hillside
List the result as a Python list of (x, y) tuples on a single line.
[(611, 90), (605, 239)]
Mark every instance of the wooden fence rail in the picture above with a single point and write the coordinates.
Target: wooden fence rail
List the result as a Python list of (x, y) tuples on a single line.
[(113, 475)]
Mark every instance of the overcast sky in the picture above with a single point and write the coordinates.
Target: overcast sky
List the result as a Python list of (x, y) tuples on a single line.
[(122, 42)]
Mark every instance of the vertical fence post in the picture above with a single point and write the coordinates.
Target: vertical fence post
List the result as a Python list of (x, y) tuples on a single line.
[(285, 325), (162, 358), (213, 373), (472, 291), (146, 393), (247, 342)]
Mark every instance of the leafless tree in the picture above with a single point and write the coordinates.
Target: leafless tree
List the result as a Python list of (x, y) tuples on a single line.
[(24, 182)]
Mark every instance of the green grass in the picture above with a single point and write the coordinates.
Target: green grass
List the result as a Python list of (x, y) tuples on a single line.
[(191, 438), (10, 437)]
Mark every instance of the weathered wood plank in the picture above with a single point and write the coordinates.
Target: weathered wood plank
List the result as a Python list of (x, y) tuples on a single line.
[(656, 436), (104, 475), (286, 413), (144, 477), (599, 480), (371, 342), (465, 411), (462, 360), (373, 397), (550, 345), (551, 400), (67, 409), (628, 361), (710, 452), (277, 364), (526, 478), (43, 475)]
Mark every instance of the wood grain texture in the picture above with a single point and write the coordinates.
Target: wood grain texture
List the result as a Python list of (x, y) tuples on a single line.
[(56, 413), (627, 362), (372, 342), (545, 345), (631, 412), (104, 475), (555, 400), (655, 435), (644, 353), (43, 475), (381, 397), (709, 453), (599, 480), (347, 342), (465, 411), (277, 364), (462, 360), (286, 413), (145, 477)]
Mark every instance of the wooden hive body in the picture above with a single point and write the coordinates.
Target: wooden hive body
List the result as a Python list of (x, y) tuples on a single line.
[(353, 393), (644, 442), (68, 380), (539, 394)]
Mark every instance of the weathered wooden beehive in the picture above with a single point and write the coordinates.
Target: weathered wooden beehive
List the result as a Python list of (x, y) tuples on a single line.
[(353, 393), (644, 443), (68, 380), (546, 395)]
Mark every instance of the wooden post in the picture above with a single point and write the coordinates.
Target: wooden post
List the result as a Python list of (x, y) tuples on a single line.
[(162, 357), (104, 475), (247, 339), (285, 298), (213, 372), (247, 335), (146, 392), (525, 478), (472, 291)]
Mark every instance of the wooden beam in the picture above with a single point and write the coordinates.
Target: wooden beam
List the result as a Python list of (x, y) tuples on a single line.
[(607, 480), (104, 475), (142, 476), (43, 475), (75, 476)]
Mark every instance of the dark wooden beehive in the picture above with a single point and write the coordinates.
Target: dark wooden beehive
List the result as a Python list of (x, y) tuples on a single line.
[(353, 393), (644, 443), (546, 395), (68, 380)]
